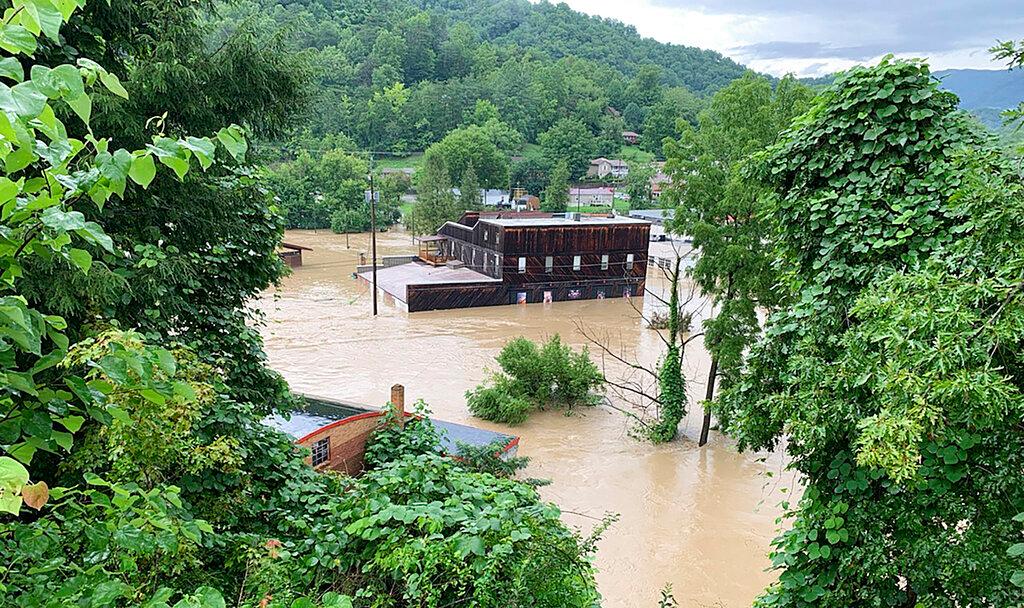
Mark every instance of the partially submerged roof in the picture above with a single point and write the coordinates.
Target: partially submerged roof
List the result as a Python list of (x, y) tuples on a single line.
[(395, 279), (318, 412), (295, 247)]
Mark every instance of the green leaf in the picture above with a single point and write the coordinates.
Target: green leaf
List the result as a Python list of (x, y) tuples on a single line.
[(234, 141), (143, 170), (113, 84), (46, 15), (1017, 578), (29, 101), (179, 165), (13, 476), (72, 423), (82, 106), (81, 258), (11, 68), (16, 39), (1016, 550)]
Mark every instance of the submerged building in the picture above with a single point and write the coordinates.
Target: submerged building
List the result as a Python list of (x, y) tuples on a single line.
[(489, 259)]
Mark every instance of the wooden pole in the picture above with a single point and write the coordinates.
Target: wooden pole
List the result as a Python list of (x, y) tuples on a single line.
[(373, 235)]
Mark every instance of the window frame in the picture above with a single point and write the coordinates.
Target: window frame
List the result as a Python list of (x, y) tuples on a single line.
[(604, 261), (630, 260), (318, 458), (522, 265), (577, 262), (549, 264)]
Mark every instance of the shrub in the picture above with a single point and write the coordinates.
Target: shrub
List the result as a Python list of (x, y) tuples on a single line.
[(502, 402), (535, 377)]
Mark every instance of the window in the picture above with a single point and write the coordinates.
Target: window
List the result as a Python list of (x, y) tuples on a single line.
[(604, 262), (321, 451), (549, 264), (577, 262), (629, 261), (522, 265), (485, 235)]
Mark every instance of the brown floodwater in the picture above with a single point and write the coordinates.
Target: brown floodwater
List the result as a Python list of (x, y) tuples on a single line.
[(700, 519)]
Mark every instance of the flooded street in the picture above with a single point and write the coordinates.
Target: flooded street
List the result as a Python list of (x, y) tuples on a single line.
[(698, 518)]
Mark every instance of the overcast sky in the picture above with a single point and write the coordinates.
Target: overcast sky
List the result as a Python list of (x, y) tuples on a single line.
[(812, 38)]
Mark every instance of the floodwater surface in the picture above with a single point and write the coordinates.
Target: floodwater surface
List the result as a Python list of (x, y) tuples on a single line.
[(700, 519)]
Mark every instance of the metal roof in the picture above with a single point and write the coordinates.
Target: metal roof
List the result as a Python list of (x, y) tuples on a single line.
[(564, 221)]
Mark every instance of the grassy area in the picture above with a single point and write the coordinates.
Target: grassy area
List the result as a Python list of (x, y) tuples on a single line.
[(406, 208), (635, 156), (621, 206), (413, 161)]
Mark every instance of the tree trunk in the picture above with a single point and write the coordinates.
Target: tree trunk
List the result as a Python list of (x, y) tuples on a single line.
[(708, 396)]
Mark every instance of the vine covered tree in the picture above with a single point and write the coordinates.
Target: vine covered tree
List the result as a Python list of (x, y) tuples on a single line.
[(724, 212), (556, 194), (893, 366)]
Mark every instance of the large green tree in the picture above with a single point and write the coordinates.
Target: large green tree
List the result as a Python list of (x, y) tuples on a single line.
[(892, 370), (570, 141), (473, 147), (724, 212)]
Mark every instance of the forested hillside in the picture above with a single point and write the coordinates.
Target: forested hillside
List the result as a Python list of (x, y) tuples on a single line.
[(398, 75)]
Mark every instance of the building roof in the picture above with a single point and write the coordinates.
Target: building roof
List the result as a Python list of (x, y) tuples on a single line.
[(318, 412), (560, 220), (295, 247), (395, 279), (652, 215), (611, 161), (630, 134), (591, 191)]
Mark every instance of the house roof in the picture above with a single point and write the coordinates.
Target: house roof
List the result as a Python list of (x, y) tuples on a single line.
[(591, 191), (630, 134), (295, 247), (563, 220)]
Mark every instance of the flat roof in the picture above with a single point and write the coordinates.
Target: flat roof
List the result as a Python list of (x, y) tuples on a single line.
[(395, 279), (564, 221)]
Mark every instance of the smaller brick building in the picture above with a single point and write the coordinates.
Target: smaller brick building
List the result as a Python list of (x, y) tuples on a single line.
[(336, 432)]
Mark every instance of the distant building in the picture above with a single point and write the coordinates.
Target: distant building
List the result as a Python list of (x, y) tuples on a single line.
[(291, 254), (489, 197), (592, 197), (659, 180), (604, 167), (630, 137), (488, 259), (527, 202)]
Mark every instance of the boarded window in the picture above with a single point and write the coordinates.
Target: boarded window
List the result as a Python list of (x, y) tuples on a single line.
[(522, 265), (604, 262), (321, 451), (549, 264), (577, 262), (629, 261)]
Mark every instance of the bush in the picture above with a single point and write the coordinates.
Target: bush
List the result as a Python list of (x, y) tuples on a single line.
[(536, 377), (501, 402)]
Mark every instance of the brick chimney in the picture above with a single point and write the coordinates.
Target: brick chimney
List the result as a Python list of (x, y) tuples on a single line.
[(398, 401)]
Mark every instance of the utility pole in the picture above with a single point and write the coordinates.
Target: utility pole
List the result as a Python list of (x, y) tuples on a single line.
[(373, 235)]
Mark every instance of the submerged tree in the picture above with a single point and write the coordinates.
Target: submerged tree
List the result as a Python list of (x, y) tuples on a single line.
[(671, 384), (724, 212), (893, 370)]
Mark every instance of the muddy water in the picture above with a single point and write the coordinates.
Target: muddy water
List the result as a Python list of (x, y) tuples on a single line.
[(698, 518)]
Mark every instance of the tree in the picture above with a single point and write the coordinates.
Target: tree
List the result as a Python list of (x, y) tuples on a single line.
[(671, 383), (569, 140), (724, 212), (892, 366), (435, 203), (556, 195), (311, 190), (638, 187), (472, 146), (609, 135), (530, 174), (469, 189)]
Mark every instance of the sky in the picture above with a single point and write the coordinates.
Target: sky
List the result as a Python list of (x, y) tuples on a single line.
[(817, 37)]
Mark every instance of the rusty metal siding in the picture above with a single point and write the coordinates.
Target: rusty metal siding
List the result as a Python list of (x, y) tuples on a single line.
[(454, 295)]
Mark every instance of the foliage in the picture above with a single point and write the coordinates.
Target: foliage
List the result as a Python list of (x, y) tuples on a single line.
[(436, 203), (568, 141), (530, 174), (556, 194), (469, 189), (891, 367), (638, 186), (536, 377), (1012, 52), (312, 189), (501, 401), (471, 149), (671, 383), (724, 212)]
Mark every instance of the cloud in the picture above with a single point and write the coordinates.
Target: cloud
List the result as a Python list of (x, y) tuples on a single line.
[(780, 36)]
